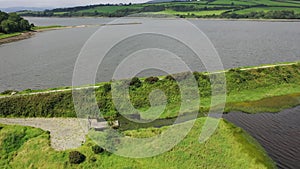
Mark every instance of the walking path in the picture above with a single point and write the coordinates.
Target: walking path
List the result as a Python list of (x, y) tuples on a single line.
[(66, 133)]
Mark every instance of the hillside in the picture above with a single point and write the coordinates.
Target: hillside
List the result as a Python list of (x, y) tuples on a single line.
[(268, 9), (229, 147)]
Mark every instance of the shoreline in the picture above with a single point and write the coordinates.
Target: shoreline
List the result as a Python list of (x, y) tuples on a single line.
[(175, 17), (29, 34)]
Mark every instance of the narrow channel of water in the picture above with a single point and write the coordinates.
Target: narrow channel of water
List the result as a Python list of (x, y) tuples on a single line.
[(278, 133)]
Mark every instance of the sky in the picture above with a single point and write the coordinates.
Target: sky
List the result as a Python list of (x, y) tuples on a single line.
[(59, 3)]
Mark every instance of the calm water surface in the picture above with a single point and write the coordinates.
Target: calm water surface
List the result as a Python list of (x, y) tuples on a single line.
[(278, 133), (47, 59)]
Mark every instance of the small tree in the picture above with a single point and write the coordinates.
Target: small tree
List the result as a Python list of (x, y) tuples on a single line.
[(76, 157), (97, 149), (152, 80), (135, 82)]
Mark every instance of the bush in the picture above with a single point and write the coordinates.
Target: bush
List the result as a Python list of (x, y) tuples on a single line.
[(76, 157), (170, 78), (151, 80), (107, 87), (135, 82), (7, 92), (97, 149)]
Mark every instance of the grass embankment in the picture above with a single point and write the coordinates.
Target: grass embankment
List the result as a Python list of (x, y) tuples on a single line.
[(12, 37), (47, 27), (244, 87), (4, 36), (256, 9), (229, 147)]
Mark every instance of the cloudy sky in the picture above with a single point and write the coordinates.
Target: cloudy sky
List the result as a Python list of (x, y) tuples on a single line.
[(59, 3)]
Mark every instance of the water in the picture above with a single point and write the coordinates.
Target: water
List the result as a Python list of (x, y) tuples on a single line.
[(47, 59), (278, 133)]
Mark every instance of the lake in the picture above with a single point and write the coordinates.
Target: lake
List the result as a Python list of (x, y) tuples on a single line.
[(47, 59)]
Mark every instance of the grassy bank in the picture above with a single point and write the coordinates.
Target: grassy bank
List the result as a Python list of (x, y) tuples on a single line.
[(268, 9), (243, 85), (36, 28), (12, 37), (4, 36), (229, 147)]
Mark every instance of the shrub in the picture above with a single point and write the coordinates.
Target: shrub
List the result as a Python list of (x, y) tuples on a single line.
[(76, 157), (107, 87), (6, 92), (170, 78), (135, 82), (151, 80), (97, 149)]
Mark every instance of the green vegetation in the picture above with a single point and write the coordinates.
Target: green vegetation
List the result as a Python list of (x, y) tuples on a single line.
[(12, 22), (4, 36), (257, 9), (47, 27), (243, 85), (229, 147), (76, 157)]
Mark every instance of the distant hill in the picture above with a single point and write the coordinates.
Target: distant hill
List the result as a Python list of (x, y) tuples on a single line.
[(159, 1), (253, 9), (16, 9)]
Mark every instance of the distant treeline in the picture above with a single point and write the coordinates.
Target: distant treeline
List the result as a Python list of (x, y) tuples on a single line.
[(12, 22), (284, 14)]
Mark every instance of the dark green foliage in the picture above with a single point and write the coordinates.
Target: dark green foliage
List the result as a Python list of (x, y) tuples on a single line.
[(13, 141), (107, 87), (7, 92), (41, 105), (151, 80), (170, 78), (10, 23), (135, 82), (97, 149), (283, 14), (60, 104), (76, 157)]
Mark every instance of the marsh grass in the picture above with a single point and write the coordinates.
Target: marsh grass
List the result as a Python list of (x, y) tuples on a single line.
[(229, 147)]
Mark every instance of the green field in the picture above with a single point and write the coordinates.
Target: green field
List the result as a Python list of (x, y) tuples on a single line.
[(266, 9), (188, 13), (213, 9), (228, 147)]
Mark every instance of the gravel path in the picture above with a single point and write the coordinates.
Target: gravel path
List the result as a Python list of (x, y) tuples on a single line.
[(66, 133)]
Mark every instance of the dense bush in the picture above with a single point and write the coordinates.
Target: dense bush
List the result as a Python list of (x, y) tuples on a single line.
[(10, 23), (76, 157), (107, 87), (6, 92), (135, 82), (170, 78), (151, 80), (97, 149)]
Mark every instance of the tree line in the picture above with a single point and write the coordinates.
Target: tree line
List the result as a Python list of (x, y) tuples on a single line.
[(12, 22)]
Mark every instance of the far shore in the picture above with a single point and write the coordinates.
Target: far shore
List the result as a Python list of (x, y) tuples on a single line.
[(175, 17), (26, 35)]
